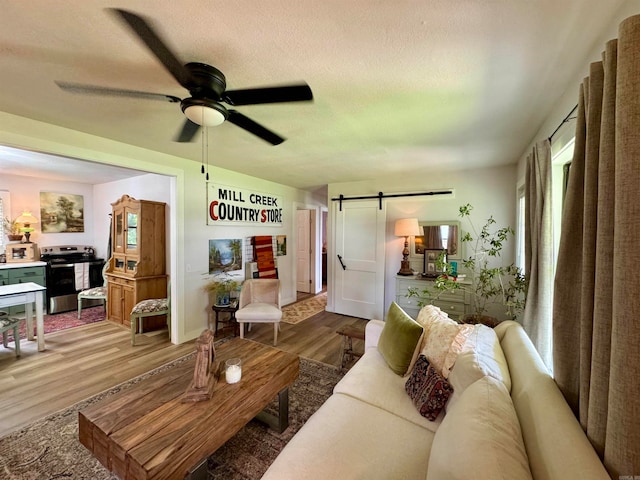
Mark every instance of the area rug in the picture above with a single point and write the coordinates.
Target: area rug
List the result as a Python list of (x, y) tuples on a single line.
[(49, 448), (299, 311), (61, 321)]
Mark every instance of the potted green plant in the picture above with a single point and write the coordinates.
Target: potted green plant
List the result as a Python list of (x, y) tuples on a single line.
[(486, 283), (222, 287), (12, 229)]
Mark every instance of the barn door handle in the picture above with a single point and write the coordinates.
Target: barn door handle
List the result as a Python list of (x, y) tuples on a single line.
[(344, 267)]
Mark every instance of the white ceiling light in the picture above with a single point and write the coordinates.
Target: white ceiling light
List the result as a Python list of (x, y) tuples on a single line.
[(205, 116), (204, 112)]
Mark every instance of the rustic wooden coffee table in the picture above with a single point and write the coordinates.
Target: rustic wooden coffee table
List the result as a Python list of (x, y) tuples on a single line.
[(146, 432)]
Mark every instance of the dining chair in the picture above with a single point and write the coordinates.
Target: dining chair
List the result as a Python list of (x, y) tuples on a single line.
[(95, 293), (150, 307), (8, 323)]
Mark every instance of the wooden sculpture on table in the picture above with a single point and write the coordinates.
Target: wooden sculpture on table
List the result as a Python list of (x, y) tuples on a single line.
[(205, 375)]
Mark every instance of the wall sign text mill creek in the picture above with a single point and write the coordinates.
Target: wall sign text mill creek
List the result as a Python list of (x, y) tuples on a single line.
[(231, 206)]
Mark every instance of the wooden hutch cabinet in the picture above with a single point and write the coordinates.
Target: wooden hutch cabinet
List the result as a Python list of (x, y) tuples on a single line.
[(137, 268)]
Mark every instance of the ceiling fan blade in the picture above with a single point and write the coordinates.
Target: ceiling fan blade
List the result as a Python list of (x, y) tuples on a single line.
[(114, 92), (188, 131), (250, 126), (253, 96), (158, 47)]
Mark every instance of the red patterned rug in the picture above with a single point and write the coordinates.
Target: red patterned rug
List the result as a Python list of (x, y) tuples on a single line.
[(61, 321)]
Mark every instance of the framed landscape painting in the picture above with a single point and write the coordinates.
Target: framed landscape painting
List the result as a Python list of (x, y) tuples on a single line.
[(225, 255), (61, 212)]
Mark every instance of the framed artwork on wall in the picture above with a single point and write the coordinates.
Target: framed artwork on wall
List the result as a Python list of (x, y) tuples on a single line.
[(225, 255), (281, 245), (61, 212)]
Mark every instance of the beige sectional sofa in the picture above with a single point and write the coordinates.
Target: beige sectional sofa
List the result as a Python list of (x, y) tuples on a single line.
[(506, 419)]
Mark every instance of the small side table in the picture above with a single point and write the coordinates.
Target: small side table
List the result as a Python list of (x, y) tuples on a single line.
[(349, 333), (231, 309)]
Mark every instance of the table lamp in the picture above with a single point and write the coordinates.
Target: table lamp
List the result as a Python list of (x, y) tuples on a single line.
[(406, 227), (27, 220)]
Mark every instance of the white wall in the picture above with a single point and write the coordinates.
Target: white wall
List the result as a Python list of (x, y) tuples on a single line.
[(153, 187), (569, 98), (25, 195), (189, 234), (491, 192)]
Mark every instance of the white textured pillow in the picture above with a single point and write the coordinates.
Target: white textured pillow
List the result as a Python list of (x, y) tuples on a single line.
[(480, 435), (443, 339), (481, 356)]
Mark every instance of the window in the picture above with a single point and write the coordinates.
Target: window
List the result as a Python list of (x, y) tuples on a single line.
[(5, 211), (560, 161), (520, 230)]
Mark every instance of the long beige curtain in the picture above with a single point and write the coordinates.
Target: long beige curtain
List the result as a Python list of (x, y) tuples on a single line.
[(596, 313), (539, 249)]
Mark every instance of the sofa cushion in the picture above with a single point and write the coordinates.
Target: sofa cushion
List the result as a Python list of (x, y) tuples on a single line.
[(371, 381), (544, 413), (349, 439), (480, 433), (443, 339), (399, 339), (428, 390), (481, 355)]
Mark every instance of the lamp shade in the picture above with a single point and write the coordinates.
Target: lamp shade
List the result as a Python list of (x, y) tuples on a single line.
[(407, 227), (204, 115), (26, 218)]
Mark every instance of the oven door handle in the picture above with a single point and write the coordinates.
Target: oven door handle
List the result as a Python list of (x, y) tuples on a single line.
[(70, 265)]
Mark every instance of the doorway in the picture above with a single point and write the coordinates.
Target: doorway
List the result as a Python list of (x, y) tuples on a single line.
[(308, 263)]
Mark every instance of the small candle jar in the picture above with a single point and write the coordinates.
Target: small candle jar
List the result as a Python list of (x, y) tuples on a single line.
[(233, 370)]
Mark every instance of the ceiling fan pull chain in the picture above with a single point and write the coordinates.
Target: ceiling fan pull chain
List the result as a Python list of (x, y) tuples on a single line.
[(202, 156), (206, 136)]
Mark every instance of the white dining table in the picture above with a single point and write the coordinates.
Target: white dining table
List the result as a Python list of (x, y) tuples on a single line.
[(27, 294)]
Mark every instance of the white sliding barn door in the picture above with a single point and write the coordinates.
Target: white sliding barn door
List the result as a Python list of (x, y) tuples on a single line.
[(358, 264)]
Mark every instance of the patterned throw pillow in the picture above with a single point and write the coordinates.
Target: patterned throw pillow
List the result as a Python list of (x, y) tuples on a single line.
[(428, 390)]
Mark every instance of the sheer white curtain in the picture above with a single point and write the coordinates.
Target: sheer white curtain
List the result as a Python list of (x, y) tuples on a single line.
[(539, 249)]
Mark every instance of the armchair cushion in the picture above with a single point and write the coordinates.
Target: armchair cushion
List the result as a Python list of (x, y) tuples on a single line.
[(259, 312)]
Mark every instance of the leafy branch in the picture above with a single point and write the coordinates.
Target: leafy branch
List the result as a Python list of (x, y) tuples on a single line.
[(487, 283)]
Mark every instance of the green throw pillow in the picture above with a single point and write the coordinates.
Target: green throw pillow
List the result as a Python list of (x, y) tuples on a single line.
[(399, 339)]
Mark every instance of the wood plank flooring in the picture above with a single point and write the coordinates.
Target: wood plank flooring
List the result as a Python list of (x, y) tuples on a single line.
[(83, 361), (77, 363)]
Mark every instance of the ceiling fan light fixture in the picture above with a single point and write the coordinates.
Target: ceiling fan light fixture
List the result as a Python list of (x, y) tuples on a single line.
[(206, 114)]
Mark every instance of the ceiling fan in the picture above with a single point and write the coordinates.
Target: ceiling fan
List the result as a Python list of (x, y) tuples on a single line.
[(206, 85)]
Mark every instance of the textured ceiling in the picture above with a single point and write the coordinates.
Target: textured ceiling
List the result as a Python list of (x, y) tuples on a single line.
[(398, 85)]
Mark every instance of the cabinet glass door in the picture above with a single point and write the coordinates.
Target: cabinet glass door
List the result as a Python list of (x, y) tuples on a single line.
[(132, 231), (119, 232)]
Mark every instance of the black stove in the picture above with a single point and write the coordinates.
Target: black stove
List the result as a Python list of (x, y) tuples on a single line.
[(67, 253), (70, 269)]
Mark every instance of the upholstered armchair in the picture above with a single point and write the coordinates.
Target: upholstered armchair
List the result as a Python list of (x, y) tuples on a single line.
[(260, 303)]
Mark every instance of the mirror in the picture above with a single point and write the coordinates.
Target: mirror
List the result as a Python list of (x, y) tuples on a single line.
[(437, 236)]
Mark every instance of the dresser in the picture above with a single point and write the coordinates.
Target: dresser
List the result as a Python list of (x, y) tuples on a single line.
[(137, 268), (455, 302)]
